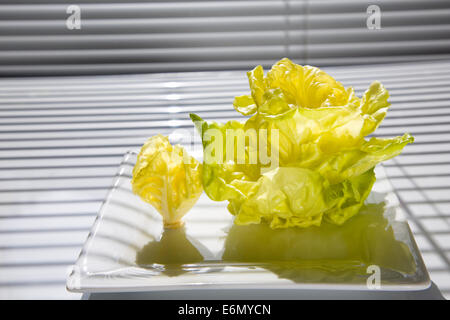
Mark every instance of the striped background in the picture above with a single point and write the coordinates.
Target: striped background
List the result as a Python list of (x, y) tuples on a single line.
[(61, 140), (143, 36)]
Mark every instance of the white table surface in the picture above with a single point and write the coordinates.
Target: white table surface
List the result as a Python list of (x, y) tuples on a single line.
[(61, 140)]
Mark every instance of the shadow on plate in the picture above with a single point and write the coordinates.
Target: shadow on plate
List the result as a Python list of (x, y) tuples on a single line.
[(329, 253), (171, 254)]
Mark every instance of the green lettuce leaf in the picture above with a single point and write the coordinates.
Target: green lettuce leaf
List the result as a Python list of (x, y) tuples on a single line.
[(302, 156)]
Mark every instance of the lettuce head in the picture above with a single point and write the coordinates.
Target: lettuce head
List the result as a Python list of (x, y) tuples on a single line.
[(303, 156)]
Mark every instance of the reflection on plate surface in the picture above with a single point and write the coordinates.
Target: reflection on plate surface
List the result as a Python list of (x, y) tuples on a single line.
[(328, 253), (171, 252), (128, 250)]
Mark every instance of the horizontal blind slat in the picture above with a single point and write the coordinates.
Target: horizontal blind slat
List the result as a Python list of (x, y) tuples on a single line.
[(120, 68), (151, 10), (218, 39), (211, 54), (208, 24)]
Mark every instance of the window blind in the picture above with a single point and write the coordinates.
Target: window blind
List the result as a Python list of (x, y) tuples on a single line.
[(156, 36)]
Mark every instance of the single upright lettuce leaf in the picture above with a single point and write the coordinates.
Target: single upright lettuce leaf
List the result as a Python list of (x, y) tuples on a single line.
[(166, 177), (317, 130)]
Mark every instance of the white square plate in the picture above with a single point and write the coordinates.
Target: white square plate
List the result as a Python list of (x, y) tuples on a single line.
[(128, 249)]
